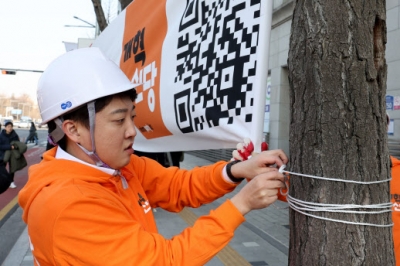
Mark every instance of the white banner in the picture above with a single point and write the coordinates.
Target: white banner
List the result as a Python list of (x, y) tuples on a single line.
[(203, 66), (69, 46)]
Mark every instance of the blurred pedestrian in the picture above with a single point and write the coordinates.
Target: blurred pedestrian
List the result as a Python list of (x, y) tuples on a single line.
[(32, 137), (8, 135), (5, 179), (176, 157), (156, 156)]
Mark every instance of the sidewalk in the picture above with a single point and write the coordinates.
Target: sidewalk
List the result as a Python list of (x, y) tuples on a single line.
[(262, 240)]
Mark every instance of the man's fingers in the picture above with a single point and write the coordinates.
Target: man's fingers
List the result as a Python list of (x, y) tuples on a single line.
[(277, 157), (236, 155), (275, 184), (273, 174)]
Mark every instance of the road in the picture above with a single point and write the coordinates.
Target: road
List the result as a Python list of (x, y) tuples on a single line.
[(24, 132)]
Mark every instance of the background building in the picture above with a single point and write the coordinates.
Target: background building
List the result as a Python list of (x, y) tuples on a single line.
[(278, 55), (277, 126)]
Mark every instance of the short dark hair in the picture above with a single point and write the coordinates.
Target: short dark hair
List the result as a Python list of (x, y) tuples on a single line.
[(81, 114), (8, 123)]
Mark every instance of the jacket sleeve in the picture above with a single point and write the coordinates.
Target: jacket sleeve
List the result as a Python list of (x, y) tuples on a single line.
[(173, 188), (111, 237), (22, 147), (7, 156)]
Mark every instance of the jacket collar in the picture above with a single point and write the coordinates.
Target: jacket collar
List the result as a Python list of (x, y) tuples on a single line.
[(61, 154)]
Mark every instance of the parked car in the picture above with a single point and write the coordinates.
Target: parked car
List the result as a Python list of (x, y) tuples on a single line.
[(6, 119), (25, 122)]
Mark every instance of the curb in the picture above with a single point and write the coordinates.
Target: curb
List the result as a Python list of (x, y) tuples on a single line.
[(8, 210), (17, 253)]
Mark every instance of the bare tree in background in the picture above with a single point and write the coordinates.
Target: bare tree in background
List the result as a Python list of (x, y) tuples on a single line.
[(124, 3), (100, 17), (23, 102), (337, 75)]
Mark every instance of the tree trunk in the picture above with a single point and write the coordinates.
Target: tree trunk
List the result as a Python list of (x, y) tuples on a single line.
[(337, 75), (124, 3), (101, 19)]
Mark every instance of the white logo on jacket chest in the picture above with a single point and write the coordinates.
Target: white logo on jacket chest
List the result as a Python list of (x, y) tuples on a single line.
[(144, 203), (32, 249)]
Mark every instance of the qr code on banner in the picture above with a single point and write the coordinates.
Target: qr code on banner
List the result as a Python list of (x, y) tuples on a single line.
[(216, 63)]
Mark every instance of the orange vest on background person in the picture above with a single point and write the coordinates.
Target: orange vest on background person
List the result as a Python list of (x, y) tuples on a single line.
[(395, 199)]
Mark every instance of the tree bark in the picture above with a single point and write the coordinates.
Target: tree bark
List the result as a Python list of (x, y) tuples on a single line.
[(124, 3), (101, 19), (337, 76)]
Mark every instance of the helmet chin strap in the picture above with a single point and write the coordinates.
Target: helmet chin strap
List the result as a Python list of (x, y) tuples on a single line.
[(57, 134), (92, 154)]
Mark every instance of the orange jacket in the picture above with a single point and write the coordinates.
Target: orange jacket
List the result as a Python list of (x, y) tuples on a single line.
[(395, 199), (78, 215)]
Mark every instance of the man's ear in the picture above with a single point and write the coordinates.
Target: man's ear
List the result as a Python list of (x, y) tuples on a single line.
[(71, 130)]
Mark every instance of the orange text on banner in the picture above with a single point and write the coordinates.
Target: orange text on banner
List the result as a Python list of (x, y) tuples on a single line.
[(144, 35)]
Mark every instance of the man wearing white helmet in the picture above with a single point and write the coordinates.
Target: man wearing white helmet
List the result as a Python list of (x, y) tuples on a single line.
[(89, 201)]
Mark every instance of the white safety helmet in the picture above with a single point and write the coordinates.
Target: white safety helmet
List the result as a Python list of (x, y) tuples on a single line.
[(76, 78)]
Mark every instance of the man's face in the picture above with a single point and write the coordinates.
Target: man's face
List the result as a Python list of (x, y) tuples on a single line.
[(9, 128), (114, 133)]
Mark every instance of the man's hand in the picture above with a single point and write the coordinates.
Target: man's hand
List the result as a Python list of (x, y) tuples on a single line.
[(263, 162), (260, 192)]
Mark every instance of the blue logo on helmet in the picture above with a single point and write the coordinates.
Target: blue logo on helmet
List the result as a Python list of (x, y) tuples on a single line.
[(66, 105)]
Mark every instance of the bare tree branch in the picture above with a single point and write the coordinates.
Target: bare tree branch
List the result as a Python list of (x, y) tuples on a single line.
[(124, 3), (101, 19)]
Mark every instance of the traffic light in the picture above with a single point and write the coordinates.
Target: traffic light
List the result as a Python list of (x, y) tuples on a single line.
[(8, 72)]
